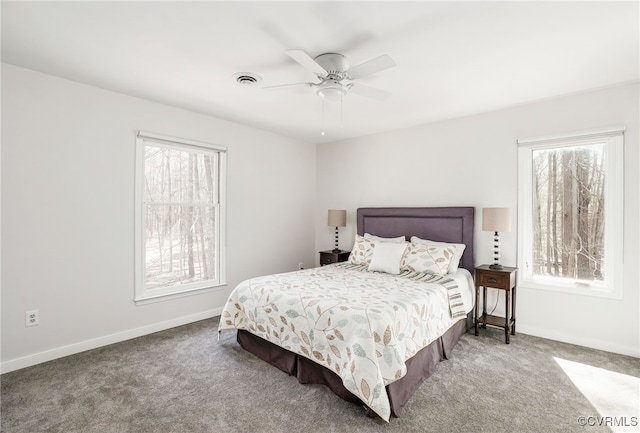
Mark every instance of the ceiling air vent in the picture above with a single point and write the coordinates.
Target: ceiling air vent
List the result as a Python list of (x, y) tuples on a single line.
[(247, 78)]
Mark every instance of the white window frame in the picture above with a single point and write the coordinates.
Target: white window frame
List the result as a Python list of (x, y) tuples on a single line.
[(612, 285), (143, 294)]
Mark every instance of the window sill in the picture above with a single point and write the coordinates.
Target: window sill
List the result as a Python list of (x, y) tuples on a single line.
[(571, 287), (152, 299)]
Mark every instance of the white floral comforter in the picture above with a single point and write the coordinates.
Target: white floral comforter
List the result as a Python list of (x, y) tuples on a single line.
[(361, 325)]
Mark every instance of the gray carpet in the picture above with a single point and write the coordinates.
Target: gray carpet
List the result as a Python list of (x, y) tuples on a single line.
[(184, 380)]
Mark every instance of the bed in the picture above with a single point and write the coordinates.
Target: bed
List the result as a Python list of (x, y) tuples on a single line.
[(371, 337)]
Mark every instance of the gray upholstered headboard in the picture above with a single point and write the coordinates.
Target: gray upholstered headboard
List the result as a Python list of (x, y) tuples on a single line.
[(442, 224)]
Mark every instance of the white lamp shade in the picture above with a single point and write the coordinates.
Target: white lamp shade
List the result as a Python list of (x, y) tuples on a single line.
[(496, 219), (337, 218)]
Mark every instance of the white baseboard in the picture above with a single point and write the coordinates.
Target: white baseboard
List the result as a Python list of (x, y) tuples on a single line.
[(71, 349), (585, 341)]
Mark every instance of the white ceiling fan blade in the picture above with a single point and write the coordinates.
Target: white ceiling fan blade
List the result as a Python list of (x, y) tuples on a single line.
[(278, 86), (369, 92), (305, 60), (371, 66)]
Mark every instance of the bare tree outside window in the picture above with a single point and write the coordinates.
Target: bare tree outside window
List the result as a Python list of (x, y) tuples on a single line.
[(568, 212), (180, 208)]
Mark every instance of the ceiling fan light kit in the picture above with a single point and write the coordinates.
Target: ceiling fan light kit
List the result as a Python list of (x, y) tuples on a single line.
[(331, 91)]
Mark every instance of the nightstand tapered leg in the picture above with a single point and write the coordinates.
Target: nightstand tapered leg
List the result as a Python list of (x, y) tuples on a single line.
[(507, 316), (484, 307), (513, 312), (477, 309)]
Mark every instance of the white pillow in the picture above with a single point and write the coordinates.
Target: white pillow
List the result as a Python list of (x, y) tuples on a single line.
[(455, 261), (434, 259), (387, 256), (398, 240)]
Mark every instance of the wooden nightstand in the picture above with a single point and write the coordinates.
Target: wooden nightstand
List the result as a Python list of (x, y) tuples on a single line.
[(504, 279), (328, 257)]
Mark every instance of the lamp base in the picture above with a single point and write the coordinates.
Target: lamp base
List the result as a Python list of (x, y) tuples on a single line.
[(496, 266), (336, 250)]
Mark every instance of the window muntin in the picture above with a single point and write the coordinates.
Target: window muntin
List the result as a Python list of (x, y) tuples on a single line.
[(179, 223), (571, 213)]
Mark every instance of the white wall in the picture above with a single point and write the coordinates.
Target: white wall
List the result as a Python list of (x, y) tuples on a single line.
[(68, 216), (472, 161), (67, 207)]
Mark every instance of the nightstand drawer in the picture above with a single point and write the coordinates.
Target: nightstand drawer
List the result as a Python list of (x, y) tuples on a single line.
[(494, 279), (329, 257)]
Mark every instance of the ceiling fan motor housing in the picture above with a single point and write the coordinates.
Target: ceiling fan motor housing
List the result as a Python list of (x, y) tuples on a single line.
[(333, 63)]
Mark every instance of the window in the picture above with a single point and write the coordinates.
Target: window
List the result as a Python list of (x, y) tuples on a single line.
[(570, 215), (179, 216)]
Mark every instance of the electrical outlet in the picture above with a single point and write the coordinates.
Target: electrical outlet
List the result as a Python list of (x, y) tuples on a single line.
[(300, 265), (32, 318)]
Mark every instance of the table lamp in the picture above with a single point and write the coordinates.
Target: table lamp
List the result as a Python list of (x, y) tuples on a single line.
[(496, 219), (337, 218)]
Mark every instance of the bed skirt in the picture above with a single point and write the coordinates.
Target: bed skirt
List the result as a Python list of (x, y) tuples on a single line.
[(419, 367)]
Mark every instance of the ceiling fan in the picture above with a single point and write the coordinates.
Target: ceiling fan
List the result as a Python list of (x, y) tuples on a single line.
[(336, 76)]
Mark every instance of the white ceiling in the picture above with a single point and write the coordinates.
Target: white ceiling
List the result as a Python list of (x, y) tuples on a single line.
[(453, 58)]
